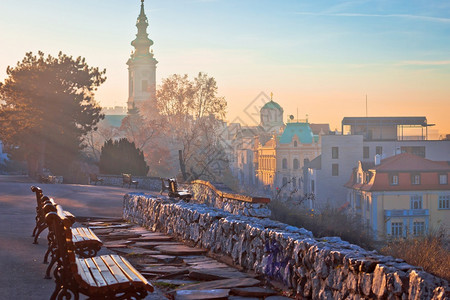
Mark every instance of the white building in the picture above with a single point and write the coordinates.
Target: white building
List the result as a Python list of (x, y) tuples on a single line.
[(325, 177)]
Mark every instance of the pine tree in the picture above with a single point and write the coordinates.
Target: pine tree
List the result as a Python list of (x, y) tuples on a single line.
[(122, 157)]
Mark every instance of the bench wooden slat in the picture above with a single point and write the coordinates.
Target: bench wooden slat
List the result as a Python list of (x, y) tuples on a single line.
[(84, 272), (82, 234), (75, 235), (90, 234), (132, 272), (115, 269), (95, 272), (105, 271)]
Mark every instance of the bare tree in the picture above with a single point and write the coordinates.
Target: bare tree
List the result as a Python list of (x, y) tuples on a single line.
[(193, 112)]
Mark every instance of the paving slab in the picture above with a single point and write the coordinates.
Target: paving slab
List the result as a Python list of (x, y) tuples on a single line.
[(253, 292), (216, 274), (223, 284), (215, 294), (209, 265), (134, 251), (153, 244), (180, 250)]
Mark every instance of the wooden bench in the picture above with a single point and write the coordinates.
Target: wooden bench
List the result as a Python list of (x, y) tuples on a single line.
[(128, 179), (164, 186), (175, 192), (98, 277), (93, 178), (86, 242), (40, 216)]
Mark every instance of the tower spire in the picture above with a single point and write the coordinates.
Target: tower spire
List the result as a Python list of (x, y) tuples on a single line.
[(142, 43), (141, 67)]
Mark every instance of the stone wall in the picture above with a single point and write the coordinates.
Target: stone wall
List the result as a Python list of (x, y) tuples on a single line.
[(205, 193), (144, 182), (325, 268)]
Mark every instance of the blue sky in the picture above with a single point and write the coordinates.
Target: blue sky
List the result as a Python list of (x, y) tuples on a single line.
[(321, 57)]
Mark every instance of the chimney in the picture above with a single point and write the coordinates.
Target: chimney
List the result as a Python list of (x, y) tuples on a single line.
[(377, 159)]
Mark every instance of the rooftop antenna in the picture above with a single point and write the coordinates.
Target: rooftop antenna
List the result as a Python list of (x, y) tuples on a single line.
[(366, 106)]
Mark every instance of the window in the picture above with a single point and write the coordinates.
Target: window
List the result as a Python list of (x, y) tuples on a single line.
[(443, 179), (444, 202), (296, 164), (416, 202), (358, 201), (397, 229), (295, 144), (334, 152), (360, 178), (416, 150), (335, 170), (284, 181), (365, 152), (393, 179), (312, 186), (379, 150), (418, 228), (367, 204), (294, 182), (144, 85), (299, 183), (284, 163), (415, 178)]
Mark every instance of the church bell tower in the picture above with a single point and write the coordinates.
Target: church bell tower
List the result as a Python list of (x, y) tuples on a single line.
[(141, 67)]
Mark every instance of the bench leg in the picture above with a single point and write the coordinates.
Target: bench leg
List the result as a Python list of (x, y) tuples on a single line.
[(49, 268), (62, 293), (34, 230), (46, 255), (38, 233)]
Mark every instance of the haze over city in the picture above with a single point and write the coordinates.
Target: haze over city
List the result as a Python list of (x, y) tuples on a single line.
[(321, 58)]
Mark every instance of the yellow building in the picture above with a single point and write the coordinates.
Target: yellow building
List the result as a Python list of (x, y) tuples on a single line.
[(400, 196), (280, 161)]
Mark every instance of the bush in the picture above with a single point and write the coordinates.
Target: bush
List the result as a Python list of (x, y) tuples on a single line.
[(329, 222), (428, 252), (122, 157)]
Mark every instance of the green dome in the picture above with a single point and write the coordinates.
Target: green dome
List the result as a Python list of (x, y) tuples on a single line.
[(272, 105)]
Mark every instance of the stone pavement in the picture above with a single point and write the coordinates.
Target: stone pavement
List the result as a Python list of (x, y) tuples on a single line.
[(177, 271)]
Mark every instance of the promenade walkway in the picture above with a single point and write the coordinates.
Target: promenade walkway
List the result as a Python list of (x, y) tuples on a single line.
[(176, 270), (21, 268)]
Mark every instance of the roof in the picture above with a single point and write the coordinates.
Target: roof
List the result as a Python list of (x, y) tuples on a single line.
[(114, 120), (403, 165), (301, 130), (384, 121), (317, 128), (409, 162), (316, 163), (272, 105)]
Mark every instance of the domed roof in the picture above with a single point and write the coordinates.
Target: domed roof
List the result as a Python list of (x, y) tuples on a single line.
[(272, 105)]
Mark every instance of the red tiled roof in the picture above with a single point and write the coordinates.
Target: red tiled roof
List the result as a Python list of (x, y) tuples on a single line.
[(410, 162), (404, 165)]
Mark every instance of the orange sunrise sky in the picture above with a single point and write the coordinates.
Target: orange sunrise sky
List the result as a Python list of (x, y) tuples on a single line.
[(319, 58)]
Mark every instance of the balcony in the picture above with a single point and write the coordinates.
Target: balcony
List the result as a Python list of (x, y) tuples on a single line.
[(407, 213)]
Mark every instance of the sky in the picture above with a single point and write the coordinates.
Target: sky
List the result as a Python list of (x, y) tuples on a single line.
[(318, 58)]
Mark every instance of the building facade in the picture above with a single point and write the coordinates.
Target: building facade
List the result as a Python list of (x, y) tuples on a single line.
[(141, 67), (340, 153), (400, 196), (280, 161)]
